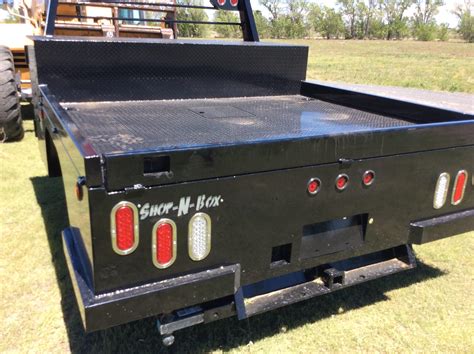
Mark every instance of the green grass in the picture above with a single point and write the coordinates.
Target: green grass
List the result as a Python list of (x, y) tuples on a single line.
[(430, 309), (440, 66)]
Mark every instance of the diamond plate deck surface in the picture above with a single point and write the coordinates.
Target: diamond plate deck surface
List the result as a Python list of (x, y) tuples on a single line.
[(164, 125)]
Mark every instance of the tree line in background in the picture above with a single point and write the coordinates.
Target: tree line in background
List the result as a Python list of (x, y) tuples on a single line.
[(350, 19)]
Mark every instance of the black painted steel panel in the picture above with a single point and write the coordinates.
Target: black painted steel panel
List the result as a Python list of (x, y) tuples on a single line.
[(333, 236), (117, 307), (114, 127), (422, 113), (259, 211), (440, 227), (220, 160), (399, 259), (84, 69)]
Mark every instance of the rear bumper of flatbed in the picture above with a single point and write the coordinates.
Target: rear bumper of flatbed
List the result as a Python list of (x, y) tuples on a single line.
[(216, 293)]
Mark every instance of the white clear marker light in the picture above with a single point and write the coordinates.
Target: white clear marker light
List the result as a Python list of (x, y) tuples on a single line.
[(441, 190), (199, 237)]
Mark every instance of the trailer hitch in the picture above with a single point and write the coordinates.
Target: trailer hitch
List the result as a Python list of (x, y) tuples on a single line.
[(302, 285), (168, 324), (333, 278), (253, 299)]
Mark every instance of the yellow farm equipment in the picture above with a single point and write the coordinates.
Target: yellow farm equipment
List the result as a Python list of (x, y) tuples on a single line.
[(107, 18)]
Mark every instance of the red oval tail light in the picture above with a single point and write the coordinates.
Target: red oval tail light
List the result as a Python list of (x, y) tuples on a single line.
[(164, 243), (124, 228), (459, 187)]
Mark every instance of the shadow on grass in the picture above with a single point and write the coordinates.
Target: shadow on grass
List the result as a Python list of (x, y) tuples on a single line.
[(142, 336)]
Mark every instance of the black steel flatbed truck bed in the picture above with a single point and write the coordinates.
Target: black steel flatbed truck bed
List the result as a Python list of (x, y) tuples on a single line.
[(232, 133)]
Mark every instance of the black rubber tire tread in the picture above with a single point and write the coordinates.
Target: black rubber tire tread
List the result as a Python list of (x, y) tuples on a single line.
[(5, 53), (12, 130), (9, 104), (7, 65), (10, 116), (7, 88), (4, 56), (15, 134), (11, 127)]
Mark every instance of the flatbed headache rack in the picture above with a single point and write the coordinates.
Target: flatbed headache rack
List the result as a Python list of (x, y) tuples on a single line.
[(208, 179)]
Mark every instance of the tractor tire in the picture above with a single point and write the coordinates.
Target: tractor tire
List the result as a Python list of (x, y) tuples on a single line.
[(11, 127)]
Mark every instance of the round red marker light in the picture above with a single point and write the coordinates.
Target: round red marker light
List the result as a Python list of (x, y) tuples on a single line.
[(314, 185), (368, 178), (221, 2), (342, 181), (234, 2)]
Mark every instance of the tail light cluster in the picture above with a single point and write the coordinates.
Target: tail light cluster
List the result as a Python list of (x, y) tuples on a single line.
[(440, 195), (125, 235), (341, 183), (442, 189), (231, 2)]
